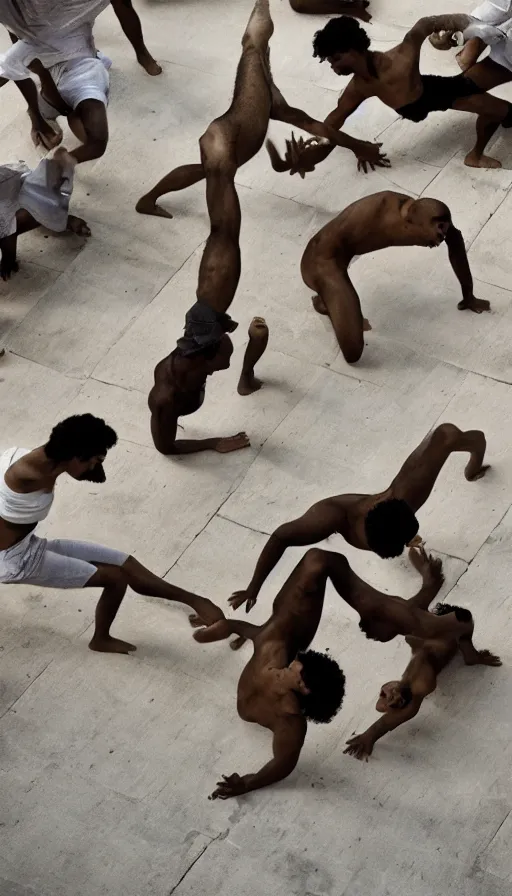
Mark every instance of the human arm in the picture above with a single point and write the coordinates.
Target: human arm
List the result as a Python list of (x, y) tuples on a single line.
[(164, 426), (431, 571), (428, 25), (289, 735), (8, 263), (460, 266), (320, 521), (361, 745)]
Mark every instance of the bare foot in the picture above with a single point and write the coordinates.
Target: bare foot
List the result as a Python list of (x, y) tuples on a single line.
[(366, 325), (146, 206), (248, 384), (319, 305), (472, 475), (473, 160), (486, 658), (473, 304), (110, 645), (78, 226), (150, 64)]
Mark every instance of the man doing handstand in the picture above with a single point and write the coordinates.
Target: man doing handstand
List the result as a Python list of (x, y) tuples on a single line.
[(384, 523), (377, 222), (400, 701), (285, 684)]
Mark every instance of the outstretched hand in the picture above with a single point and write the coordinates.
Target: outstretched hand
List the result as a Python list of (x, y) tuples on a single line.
[(231, 785), (296, 159), (430, 568), (360, 746), (369, 154), (243, 597)]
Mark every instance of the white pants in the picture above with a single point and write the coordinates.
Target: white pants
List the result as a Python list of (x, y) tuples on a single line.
[(59, 563), (76, 81)]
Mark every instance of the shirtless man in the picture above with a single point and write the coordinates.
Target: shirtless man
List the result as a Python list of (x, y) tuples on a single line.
[(46, 191), (77, 447), (394, 77), (377, 222), (400, 701), (284, 683), (384, 523), (233, 139)]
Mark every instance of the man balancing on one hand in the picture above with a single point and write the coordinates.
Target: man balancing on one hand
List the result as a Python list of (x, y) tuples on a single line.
[(384, 523), (233, 139), (377, 222), (400, 701), (76, 447), (394, 77), (285, 684)]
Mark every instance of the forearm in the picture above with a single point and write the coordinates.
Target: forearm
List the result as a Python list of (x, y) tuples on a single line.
[(271, 773), (460, 264), (269, 558), (191, 446), (244, 629), (449, 22)]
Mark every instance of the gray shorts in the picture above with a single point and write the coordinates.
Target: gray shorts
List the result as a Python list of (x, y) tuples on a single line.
[(59, 563)]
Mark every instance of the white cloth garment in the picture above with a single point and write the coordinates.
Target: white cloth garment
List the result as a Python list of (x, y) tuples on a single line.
[(45, 192), (76, 81), (493, 25), (59, 563), (59, 31), (17, 507)]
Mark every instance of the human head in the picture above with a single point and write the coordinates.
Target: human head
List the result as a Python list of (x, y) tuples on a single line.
[(393, 695), (431, 218), (319, 683), (79, 445), (342, 43), (389, 526)]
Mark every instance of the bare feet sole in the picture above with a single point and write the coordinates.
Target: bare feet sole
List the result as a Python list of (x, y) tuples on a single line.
[(111, 645), (474, 161), (147, 207)]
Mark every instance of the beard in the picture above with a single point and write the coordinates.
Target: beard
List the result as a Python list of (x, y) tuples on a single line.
[(97, 474)]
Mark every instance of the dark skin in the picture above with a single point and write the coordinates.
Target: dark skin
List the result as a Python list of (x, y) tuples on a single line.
[(377, 222), (36, 472), (178, 391), (130, 23), (394, 77), (358, 9), (271, 679), (429, 657), (345, 514), (233, 139)]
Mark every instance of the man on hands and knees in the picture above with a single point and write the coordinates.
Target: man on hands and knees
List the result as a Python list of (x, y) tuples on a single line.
[(394, 77), (284, 684), (233, 139), (383, 523), (400, 701), (77, 447), (377, 222)]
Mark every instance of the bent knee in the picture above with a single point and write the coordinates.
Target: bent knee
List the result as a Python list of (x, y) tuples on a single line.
[(315, 561), (447, 433)]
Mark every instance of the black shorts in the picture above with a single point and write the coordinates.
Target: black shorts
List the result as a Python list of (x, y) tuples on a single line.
[(439, 94)]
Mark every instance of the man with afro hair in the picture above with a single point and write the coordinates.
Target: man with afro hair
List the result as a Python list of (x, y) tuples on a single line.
[(383, 523), (77, 447)]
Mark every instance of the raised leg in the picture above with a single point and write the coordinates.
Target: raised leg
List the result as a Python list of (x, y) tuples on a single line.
[(219, 271), (338, 298), (179, 179), (130, 23), (258, 340)]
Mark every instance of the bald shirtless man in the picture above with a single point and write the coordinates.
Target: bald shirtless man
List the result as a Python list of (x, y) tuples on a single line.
[(394, 77), (400, 701), (233, 139), (377, 222), (384, 523), (284, 683)]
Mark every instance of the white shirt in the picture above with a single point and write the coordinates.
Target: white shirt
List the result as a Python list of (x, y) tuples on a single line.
[(494, 27)]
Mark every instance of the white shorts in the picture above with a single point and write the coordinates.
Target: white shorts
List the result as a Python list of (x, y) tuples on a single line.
[(76, 81), (59, 563)]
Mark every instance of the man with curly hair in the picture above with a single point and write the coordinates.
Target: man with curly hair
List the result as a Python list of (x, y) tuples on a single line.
[(400, 701), (77, 447), (384, 523), (394, 77)]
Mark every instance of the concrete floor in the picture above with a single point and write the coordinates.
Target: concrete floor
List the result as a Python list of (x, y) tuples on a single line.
[(107, 762)]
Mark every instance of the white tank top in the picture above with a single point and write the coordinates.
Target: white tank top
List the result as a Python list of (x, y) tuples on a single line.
[(15, 507)]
